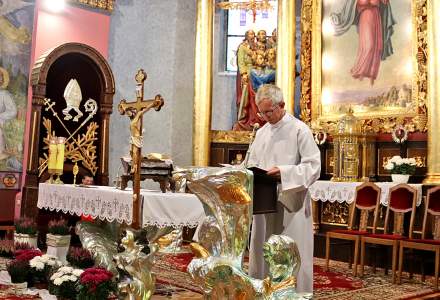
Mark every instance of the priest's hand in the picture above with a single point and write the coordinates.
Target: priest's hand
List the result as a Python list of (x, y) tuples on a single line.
[(275, 171)]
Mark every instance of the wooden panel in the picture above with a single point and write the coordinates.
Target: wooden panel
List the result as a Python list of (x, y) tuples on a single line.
[(8, 205), (217, 156), (383, 155), (421, 156)]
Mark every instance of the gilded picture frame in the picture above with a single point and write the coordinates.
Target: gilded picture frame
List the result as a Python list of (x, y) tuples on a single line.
[(312, 74)]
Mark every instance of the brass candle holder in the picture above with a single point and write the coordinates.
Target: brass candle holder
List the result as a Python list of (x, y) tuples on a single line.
[(75, 172)]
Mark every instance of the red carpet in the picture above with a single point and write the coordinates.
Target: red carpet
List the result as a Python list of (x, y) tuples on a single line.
[(334, 281)]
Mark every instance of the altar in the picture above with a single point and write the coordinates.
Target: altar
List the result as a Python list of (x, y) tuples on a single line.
[(331, 202), (108, 203)]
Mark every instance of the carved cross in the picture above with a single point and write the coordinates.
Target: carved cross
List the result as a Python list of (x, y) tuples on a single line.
[(135, 111)]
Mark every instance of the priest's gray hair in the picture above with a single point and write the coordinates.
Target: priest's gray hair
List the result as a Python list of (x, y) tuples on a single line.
[(270, 92)]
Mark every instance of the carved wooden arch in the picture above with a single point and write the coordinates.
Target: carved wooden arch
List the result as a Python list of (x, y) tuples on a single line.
[(39, 76), (45, 61)]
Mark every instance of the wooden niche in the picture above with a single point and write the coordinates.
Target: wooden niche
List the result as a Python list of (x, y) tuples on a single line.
[(90, 134)]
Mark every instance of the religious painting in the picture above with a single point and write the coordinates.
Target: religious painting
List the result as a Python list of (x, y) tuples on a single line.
[(369, 56), (16, 22)]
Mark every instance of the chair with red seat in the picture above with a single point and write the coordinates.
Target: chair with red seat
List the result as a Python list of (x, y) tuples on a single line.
[(431, 243), (367, 199), (402, 199)]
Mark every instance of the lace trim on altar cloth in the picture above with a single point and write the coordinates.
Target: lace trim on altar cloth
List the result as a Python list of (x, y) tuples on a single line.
[(190, 224), (94, 216), (346, 191)]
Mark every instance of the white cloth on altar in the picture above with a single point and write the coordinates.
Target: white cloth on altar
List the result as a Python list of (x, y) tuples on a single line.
[(288, 145), (103, 202), (171, 209), (332, 191), (108, 203)]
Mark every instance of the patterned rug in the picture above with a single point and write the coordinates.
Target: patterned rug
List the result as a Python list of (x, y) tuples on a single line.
[(338, 283)]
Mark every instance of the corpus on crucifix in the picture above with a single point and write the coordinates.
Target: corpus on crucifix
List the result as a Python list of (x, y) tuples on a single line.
[(135, 111)]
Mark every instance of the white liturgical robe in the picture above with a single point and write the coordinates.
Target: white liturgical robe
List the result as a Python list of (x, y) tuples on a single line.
[(288, 145)]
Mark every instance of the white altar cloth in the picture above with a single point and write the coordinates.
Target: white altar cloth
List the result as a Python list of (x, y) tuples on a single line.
[(323, 190), (109, 203), (171, 209)]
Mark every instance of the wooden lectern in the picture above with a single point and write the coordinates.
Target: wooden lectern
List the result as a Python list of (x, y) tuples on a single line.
[(265, 192)]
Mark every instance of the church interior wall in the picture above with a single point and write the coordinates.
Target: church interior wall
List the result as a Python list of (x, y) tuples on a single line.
[(139, 39)]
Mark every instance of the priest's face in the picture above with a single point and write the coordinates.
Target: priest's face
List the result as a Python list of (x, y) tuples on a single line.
[(270, 112)]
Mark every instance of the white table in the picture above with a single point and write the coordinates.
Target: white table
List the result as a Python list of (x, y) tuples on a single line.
[(108, 203), (345, 191)]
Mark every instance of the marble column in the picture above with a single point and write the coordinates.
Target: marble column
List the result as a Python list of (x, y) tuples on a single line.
[(203, 82), (433, 92), (285, 73)]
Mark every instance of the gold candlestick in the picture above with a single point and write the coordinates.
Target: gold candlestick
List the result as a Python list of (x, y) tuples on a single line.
[(52, 159), (75, 172)]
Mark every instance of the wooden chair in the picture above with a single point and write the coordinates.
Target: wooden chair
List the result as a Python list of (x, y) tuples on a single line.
[(401, 200), (432, 206), (367, 199)]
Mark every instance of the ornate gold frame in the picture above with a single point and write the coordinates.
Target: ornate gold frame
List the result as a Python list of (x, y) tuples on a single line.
[(311, 72)]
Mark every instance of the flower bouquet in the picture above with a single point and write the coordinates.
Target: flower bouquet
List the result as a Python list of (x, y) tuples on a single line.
[(80, 258), (401, 168), (96, 284), (26, 231), (58, 227), (58, 239), (18, 270), (63, 282), (42, 266)]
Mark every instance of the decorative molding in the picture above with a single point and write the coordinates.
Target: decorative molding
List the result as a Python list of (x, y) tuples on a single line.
[(231, 136), (106, 5), (311, 72)]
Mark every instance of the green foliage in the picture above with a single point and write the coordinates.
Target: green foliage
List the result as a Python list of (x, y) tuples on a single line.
[(404, 169), (58, 227), (26, 226)]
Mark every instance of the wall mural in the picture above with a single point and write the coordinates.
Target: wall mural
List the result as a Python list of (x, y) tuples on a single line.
[(16, 22)]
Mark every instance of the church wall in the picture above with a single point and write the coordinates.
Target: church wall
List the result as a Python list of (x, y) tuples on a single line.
[(224, 111), (158, 36), (73, 24)]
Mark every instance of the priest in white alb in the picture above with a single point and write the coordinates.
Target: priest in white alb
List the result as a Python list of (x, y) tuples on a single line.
[(285, 147)]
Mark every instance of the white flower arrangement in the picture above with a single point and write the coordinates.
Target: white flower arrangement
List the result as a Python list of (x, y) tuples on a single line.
[(399, 165), (40, 262), (65, 274)]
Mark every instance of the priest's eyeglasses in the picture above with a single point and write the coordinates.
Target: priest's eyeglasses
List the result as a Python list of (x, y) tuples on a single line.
[(267, 113)]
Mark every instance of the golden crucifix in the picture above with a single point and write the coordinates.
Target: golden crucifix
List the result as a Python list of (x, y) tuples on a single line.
[(135, 110)]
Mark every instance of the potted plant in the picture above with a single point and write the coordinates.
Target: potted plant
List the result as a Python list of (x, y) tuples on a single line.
[(58, 239), (96, 284), (80, 258), (26, 232), (7, 248), (19, 268), (401, 168), (41, 267), (18, 271), (63, 283)]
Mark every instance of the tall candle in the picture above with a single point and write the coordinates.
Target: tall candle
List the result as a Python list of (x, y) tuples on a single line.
[(52, 160), (60, 153)]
